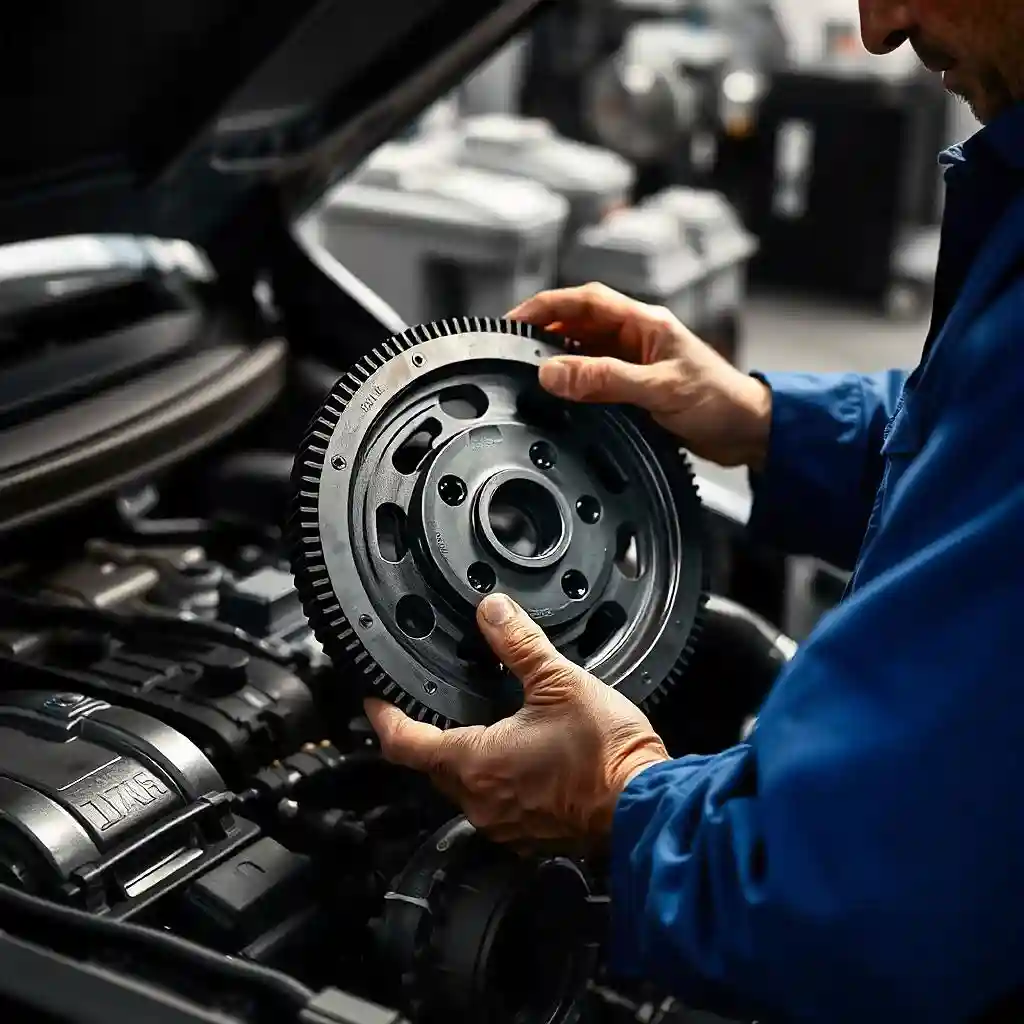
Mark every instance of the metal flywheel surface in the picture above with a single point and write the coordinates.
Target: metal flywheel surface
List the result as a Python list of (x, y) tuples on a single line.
[(438, 471)]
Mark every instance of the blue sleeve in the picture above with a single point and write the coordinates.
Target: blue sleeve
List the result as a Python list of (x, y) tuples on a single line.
[(861, 858), (824, 461)]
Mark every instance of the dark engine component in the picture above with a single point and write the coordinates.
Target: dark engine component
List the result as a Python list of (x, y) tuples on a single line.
[(241, 709), (102, 807), (438, 471), (487, 935)]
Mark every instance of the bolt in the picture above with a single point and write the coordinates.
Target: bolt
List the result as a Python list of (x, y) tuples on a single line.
[(65, 700), (338, 462), (365, 621), (431, 688)]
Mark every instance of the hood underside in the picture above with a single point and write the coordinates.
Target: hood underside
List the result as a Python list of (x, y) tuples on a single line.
[(166, 118)]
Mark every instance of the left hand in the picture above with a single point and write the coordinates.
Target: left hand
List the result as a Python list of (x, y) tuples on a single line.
[(553, 772)]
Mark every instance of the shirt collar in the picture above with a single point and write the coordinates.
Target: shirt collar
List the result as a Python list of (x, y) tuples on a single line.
[(1003, 137)]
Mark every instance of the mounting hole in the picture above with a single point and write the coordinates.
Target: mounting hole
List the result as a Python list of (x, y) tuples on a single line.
[(606, 620), (481, 577), (417, 359), (464, 402), (525, 518), (610, 475), (415, 616), (588, 508), (416, 447), (627, 552), (391, 533), (452, 490), (543, 455), (575, 584)]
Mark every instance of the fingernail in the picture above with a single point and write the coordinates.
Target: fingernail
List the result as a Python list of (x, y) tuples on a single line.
[(554, 376), (497, 609)]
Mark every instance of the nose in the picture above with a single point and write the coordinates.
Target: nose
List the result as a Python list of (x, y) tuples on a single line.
[(885, 25)]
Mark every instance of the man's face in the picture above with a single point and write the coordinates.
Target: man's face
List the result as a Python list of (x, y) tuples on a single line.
[(978, 45)]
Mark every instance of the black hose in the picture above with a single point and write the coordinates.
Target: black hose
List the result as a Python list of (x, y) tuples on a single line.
[(273, 983), (40, 614)]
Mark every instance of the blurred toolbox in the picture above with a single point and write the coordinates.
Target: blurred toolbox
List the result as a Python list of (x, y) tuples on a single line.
[(435, 239), (712, 228), (595, 181), (843, 157), (644, 253)]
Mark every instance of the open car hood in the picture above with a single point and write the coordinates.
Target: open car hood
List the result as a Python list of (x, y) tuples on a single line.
[(167, 119)]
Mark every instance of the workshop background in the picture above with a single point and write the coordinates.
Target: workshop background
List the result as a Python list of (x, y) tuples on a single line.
[(745, 162)]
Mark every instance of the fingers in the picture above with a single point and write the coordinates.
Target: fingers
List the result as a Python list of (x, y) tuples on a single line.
[(586, 313), (523, 648), (403, 741), (602, 379), (592, 302)]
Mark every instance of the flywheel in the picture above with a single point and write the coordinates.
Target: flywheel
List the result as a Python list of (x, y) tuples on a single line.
[(438, 471)]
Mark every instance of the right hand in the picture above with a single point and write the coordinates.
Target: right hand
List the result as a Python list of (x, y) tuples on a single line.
[(641, 355)]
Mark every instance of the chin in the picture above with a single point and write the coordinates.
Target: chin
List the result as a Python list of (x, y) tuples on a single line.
[(982, 107)]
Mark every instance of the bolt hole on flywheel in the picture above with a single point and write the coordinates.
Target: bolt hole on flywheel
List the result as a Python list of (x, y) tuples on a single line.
[(461, 477)]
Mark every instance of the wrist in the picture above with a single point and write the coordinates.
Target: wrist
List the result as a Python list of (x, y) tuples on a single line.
[(637, 770), (755, 402), (617, 783)]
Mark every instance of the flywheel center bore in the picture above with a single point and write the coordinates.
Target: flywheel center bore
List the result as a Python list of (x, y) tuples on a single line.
[(437, 472)]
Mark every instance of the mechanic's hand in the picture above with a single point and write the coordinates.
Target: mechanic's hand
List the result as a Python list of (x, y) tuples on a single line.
[(553, 772), (641, 355)]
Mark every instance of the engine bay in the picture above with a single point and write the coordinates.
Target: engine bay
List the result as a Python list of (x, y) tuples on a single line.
[(189, 795)]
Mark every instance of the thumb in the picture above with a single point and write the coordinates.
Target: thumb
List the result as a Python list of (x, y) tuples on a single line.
[(522, 647), (602, 379)]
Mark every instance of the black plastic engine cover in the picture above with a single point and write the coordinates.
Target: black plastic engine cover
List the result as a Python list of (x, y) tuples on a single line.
[(99, 801), (242, 711)]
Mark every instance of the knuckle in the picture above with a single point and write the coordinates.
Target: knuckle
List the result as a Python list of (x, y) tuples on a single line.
[(522, 643), (594, 297), (662, 318), (592, 377), (391, 742), (560, 674)]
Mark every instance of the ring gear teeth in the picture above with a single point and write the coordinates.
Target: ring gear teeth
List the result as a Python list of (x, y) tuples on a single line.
[(313, 583)]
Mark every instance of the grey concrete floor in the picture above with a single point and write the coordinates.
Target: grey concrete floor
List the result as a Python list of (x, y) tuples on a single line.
[(792, 333)]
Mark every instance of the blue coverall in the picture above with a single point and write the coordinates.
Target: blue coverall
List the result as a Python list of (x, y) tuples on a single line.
[(861, 858)]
